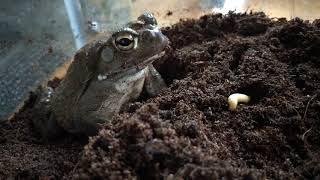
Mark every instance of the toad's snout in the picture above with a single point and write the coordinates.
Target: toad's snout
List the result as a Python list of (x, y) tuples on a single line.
[(155, 36)]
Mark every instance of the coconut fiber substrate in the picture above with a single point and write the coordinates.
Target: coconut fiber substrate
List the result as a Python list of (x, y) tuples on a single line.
[(188, 131)]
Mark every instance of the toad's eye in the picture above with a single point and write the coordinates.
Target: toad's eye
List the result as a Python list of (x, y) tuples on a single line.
[(125, 42)]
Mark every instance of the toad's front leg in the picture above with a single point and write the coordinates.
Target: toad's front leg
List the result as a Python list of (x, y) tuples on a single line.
[(153, 82), (43, 119)]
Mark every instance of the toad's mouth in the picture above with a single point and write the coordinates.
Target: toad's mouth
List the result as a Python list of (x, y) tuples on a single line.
[(135, 68), (150, 60)]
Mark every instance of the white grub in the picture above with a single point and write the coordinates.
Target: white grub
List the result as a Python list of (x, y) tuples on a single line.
[(235, 99)]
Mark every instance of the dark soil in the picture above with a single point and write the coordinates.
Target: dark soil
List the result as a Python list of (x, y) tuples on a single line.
[(25, 156), (188, 132)]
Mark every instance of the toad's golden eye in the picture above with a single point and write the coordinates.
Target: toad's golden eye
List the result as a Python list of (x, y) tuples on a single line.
[(125, 42)]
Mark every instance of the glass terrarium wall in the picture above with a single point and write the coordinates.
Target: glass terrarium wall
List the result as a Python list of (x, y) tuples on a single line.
[(305, 9), (110, 13), (38, 36), (35, 38)]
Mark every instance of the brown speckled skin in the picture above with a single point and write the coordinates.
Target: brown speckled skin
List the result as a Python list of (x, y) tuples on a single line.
[(83, 101)]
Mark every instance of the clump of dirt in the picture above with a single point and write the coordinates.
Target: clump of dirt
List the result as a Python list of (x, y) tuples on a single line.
[(187, 131)]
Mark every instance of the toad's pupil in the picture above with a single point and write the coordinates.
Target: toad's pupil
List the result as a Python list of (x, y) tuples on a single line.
[(125, 42)]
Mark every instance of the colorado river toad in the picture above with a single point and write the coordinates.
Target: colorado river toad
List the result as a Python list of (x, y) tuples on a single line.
[(104, 75)]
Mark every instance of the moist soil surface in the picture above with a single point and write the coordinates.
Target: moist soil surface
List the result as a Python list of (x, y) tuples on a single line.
[(188, 131)]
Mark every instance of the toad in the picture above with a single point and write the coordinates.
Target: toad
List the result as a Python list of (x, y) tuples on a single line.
[(104, 75)]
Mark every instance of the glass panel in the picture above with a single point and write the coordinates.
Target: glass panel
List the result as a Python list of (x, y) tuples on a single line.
[(35, 38)]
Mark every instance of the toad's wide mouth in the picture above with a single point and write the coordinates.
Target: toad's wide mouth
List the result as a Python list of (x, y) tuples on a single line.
[(135, 68), (150, 60)]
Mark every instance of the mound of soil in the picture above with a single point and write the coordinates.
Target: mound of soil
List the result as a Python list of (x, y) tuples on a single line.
[(188, 132)]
